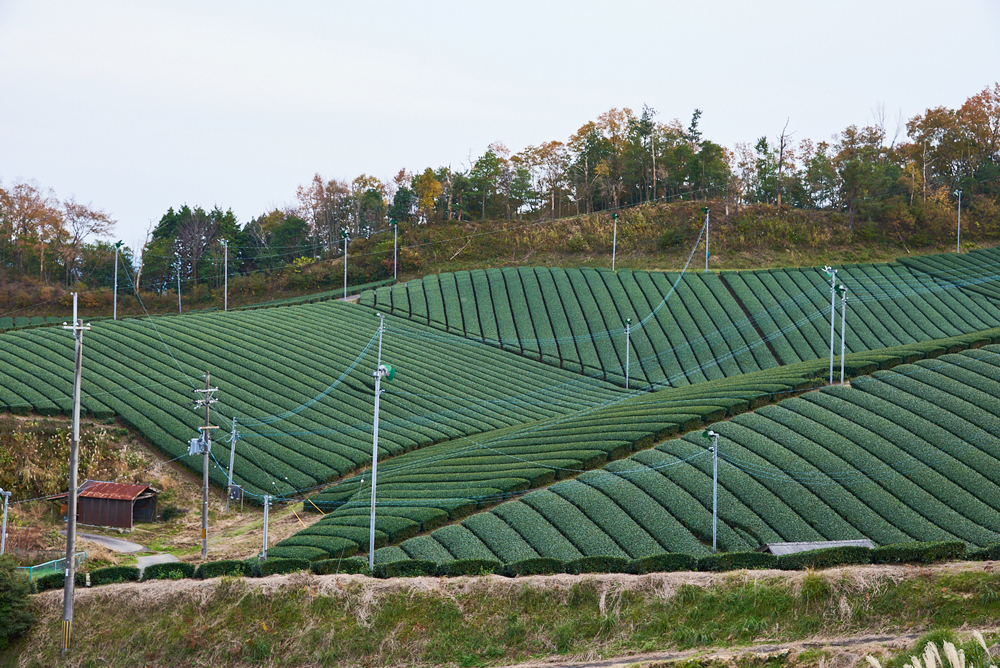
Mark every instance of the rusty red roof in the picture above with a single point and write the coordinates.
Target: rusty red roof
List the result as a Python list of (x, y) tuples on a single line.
[(118, 491)]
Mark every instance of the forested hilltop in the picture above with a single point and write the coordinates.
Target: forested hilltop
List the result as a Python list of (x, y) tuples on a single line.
[(870, 192)]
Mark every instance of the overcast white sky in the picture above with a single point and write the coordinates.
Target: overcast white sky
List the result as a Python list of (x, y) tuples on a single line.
[(138, 106)]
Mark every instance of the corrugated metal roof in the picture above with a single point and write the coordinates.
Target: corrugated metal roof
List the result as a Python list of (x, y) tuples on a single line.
[(791, 548), (118, 491)]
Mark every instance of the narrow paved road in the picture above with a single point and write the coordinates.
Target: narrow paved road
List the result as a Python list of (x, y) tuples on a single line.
[(128, 547), (116, 544)]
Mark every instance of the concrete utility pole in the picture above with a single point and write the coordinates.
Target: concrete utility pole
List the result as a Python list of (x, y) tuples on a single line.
[(267, 505), (3, 535), (206, 443), (74, 465)]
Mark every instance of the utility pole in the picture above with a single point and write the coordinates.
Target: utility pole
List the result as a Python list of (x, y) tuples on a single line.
[(843, 321), (74, 465), (232, 458), (206, 445), (267, 505), (178, 287), (628, 337), (3, 535), (715, 481), (832, 273), (614, 242), (705, 209), (387, 372), (117, 246)]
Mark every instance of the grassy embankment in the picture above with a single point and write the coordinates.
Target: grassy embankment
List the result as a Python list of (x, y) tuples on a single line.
[(304, 620)]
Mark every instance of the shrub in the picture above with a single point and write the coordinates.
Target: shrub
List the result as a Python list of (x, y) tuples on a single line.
[(659, 563), (175, 570), (598, 564), (731, 561), (989, 553), (215, 569), (57, 580), (917, 552), (469, 567), (825, 557), (50, 581), (112, 574), (333, 566), (15, 588), (405, 568), (276, 566), (535, 566), (170, 512)]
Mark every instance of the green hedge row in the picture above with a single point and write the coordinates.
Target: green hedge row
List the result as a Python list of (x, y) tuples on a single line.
[(176, 570), (825, 558), (918, 552), (113, 574), (347, 566), (57, 580)]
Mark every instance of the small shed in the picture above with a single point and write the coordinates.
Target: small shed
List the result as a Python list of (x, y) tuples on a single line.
[(779, 549), (115, 504)]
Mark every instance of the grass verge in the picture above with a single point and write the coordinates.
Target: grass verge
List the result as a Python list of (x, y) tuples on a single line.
[(351, 620)]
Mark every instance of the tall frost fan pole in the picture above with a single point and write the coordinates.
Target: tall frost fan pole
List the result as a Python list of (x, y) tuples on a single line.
[(117, 247), (387, 372), (395, 244), (958, 237), (705, 209), (832, 273), (628, 338), (232, 458), (614, 241), (715, 481), (225, 279), (843, 322), (206, 444), (74, 464), (343, 235)]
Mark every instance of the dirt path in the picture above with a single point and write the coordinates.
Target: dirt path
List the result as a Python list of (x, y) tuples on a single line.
[(843, 651)]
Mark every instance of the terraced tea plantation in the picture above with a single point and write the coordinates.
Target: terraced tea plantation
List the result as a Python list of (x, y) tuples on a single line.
[(911, 454), (507, 433), (303, 411), (699, 326)]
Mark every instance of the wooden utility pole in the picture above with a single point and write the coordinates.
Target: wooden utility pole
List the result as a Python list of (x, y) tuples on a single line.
[(74, 464), (207, 400)]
